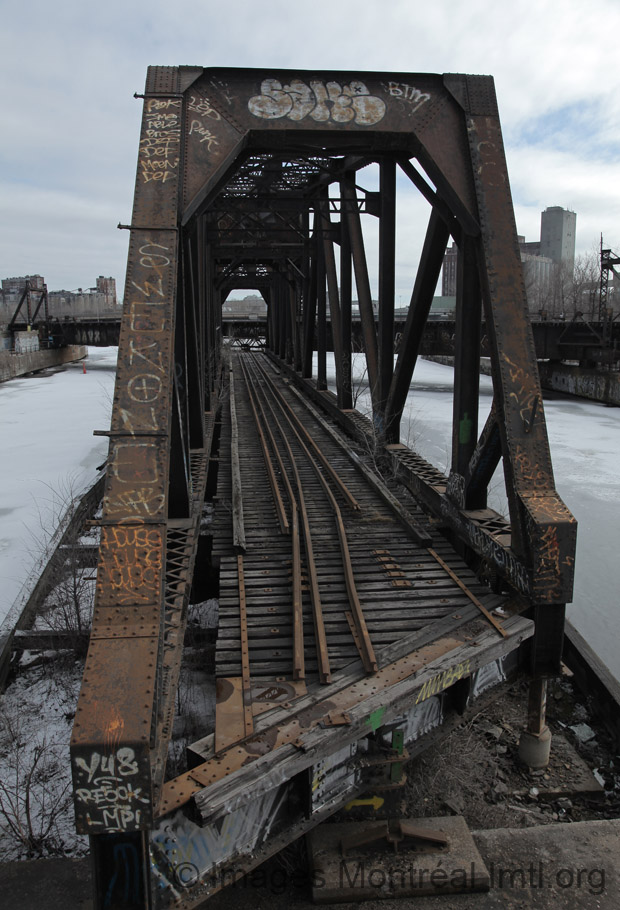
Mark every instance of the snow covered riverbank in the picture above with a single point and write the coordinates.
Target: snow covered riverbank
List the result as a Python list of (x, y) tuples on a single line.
[(47, 454)]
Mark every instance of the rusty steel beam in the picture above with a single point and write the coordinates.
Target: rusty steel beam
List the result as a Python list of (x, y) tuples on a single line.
[(346, 276), (333, 294), (387, 277), (421, 299), (321, 307), (362, 283), (483, 462), (115, 712), (466, 366)]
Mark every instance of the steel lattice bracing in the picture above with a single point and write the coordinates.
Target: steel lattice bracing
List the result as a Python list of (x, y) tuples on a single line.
[(248, 178)]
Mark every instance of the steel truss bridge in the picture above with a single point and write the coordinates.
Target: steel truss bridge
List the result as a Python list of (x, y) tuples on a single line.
[(590, 343), (357, 609)]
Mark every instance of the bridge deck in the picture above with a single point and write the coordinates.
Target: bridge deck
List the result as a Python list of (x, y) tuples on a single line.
[(410, 609), (401, 586), (311, 659)]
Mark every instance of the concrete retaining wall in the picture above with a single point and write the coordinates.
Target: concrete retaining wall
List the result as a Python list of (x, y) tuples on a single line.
[(598, 385), (12, 364)]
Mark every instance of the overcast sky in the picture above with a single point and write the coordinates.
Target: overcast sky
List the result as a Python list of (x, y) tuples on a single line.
[(70, 123)]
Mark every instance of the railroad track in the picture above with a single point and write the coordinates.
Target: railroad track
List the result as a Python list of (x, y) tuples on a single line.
[(315, 570)]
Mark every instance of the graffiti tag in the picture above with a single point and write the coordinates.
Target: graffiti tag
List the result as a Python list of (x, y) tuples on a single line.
[(318, 100)]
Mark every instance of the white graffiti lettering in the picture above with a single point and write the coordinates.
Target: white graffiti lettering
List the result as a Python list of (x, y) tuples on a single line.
[(139, 501), (202, 107), (147, 352), (321, 101), (125, 470), (408, 93), (161, 141), (128, 421), (207, 136), (151, 260), (145, 387), (149, 288), (143, 319), (104, 791)]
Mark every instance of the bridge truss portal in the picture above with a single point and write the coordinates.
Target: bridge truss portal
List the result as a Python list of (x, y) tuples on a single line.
[(251, 179)]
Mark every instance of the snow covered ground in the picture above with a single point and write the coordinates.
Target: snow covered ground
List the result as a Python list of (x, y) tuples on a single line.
[(47, 454)]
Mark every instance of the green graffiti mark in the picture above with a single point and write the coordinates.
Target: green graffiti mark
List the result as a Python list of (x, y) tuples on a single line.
[(465, 429), (374, 719)]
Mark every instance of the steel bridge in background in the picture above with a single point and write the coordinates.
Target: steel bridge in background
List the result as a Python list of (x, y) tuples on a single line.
[(582, 340), (254, 179)]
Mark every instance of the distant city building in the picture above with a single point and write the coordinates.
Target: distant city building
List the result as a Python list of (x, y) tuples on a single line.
[(530, 247), (557, 236), (107, 287), (16, 285), (448, 273), (96, 301), (542, 259), (246, 308)]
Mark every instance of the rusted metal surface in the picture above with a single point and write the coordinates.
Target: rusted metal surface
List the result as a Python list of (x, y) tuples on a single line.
[(237, 503), (365, 644), (496, 625), (317, 610), (263, 428), (245, 651), (233, 190), (112, 732)]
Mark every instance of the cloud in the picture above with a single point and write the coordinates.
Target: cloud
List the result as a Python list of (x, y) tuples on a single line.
[(542, 176), (71, 125), (68, 238)]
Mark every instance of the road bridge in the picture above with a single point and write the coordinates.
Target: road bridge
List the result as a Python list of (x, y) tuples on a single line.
[(364, 595)]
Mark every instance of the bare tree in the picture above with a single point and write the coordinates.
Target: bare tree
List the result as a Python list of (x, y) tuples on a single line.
[(582, 288)]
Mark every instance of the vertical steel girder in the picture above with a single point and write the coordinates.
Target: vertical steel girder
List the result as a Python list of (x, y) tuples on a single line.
[(321, 314), (235, 166), (387, 266), (467, 361), (346, 279), (421, 299), (362, 283)]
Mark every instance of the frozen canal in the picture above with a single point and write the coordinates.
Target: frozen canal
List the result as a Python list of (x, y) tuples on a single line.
[(48, 450), (47, 454)]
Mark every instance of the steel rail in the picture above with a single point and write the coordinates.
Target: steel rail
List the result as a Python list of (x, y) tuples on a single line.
[(248, 720), (315, 594), (237, 494), (281, 512), (298, 630), (469, 593), (351, 500), (418, 532), (364, 643)]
